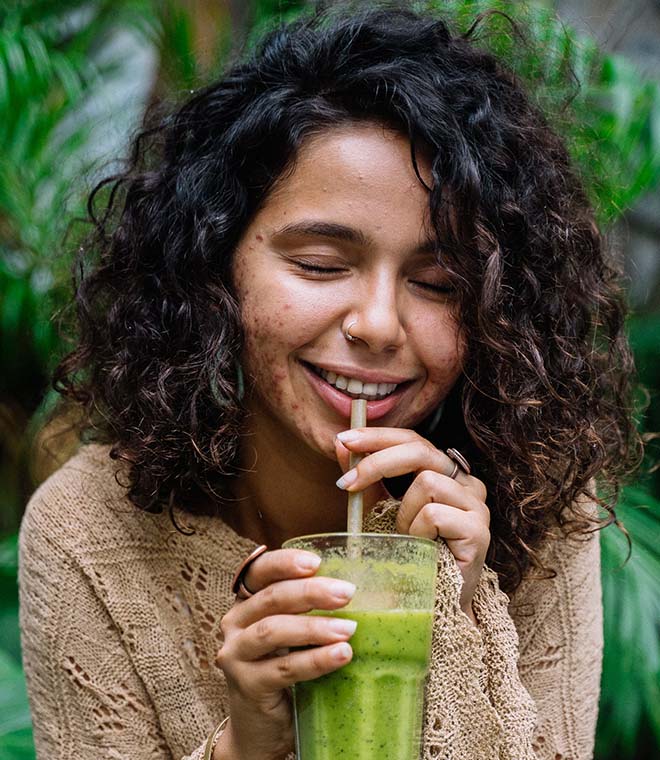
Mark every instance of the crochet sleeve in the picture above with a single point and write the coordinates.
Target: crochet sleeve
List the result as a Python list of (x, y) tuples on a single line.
[(559, 623), (86, 699)]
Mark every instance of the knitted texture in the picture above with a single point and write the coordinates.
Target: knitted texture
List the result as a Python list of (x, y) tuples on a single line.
[(462, 719), (560, 627), (120, 619)]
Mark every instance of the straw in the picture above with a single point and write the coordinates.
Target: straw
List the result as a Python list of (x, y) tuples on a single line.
[(356, 499)]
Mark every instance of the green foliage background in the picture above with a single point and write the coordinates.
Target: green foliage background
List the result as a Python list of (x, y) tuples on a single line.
[(63, 82)]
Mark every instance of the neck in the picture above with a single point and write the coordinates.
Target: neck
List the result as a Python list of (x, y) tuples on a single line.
[(285, 489)]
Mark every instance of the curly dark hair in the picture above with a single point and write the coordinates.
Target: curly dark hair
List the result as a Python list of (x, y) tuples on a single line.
[(544, 402)]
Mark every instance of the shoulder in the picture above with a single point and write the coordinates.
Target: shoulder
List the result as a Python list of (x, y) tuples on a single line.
[(569, 587), (566, 550), (83, 506), (82, 513)]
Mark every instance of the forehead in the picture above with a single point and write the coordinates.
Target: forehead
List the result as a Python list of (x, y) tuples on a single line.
[(361, 174), (372, 150)]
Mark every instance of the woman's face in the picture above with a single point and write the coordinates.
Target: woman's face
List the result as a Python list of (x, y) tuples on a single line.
[(345, 239)]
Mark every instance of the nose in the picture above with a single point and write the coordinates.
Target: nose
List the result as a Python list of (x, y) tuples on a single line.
[(376, 320)]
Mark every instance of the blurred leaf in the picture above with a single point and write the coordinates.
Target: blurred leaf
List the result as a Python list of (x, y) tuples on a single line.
[(57, 62), (270, 13), (17, 745), (9, 557), (9, 632), (180, 63), (631, 598), (14, 710), (644, 334), (15, 723), (608, 113)]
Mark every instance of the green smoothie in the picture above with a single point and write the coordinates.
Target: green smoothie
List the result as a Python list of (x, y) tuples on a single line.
[(370, 709)]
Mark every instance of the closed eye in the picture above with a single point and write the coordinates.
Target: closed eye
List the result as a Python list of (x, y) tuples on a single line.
[(439, 289), (432, 287), (316, 268)]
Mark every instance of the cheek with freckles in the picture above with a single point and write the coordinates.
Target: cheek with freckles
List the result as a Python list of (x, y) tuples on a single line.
[(271, 335), (442, 353), (262, 361), (428, 398), (259, 359)]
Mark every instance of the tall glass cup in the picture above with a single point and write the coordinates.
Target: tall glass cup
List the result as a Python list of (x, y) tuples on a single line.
[(372, 707)]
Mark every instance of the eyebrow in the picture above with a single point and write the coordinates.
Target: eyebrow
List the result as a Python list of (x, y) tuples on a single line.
[(342, 232)]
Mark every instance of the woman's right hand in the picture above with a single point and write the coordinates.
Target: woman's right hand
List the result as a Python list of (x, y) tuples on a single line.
[(257, 634)]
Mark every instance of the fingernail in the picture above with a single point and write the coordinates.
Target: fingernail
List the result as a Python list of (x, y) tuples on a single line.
[(342, 590), (348, 435), (341, 652), (347, 478), (308, 562), (343, 627)]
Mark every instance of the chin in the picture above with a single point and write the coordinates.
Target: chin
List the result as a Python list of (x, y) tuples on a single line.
[(326, 449)]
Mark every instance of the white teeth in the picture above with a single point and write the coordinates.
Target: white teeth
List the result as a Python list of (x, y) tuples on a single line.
[(354, 386), (357, 387)]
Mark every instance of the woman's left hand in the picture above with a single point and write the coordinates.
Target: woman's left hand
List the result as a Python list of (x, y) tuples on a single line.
[(434, 506)]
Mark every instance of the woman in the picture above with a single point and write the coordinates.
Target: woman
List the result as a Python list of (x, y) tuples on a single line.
[(368, 206)]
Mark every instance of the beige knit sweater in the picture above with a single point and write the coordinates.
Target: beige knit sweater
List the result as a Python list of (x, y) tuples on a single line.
[(120, 622)]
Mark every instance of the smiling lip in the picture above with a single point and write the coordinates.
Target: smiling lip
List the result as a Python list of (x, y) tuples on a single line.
[(341, 402), (365, 375)]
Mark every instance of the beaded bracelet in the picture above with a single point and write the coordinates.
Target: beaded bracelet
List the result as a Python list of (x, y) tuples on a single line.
[(213, 739)]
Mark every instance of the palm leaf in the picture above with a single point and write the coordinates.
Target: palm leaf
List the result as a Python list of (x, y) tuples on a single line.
[(609, 114), (56, 69), (631, 598), (15, 723)]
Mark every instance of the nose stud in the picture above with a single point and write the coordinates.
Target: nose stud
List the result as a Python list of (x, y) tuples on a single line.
[(347, 332)]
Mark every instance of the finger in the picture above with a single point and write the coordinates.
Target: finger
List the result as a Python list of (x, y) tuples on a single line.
[(376, 492), (444, 521), (467, 537), (369, 439), (343, 455), (430, 486), (397, 460), (279, 565), (284, 631), (291, 597), (282, 672)]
